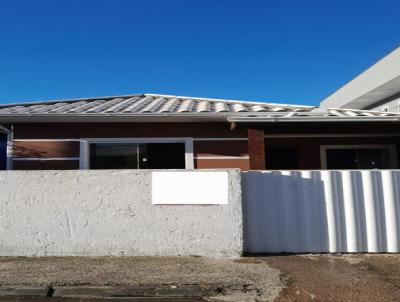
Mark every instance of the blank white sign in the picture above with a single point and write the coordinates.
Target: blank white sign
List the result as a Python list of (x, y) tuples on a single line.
[(189, 187)]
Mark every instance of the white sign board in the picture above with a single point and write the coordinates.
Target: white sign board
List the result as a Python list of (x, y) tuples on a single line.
[(181, 187)]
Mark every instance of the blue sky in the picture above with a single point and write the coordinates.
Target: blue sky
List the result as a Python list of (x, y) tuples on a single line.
[(277, 51)]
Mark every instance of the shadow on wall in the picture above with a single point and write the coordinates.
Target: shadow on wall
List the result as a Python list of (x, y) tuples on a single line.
[(321, 211)]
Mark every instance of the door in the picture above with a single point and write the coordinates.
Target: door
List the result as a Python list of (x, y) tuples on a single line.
[(3, 151)]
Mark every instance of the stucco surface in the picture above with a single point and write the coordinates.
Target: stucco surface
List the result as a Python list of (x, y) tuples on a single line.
[(109, 212)]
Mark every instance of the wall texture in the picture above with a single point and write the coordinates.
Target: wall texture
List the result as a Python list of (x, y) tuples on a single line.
[(109, 212), (322, 211)]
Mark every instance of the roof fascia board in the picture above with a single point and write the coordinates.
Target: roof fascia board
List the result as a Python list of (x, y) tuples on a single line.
[(313, 119), (108, 118)]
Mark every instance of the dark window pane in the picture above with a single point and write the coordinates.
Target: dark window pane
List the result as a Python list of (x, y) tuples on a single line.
[(113, 156), (3, 151), (281, 158), (137, 156), (373, 159), (162, 156), (341, 159), (358, 158)]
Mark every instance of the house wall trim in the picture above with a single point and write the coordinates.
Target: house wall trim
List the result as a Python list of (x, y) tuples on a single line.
[(44, 158), (294, 135), (221, 157)]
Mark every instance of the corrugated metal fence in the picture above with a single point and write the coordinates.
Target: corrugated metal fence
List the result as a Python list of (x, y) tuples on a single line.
[(321, 211)]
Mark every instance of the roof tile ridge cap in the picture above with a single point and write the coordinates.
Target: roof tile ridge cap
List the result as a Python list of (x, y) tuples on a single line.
[(362, 110), (87, 99), (244, 103)]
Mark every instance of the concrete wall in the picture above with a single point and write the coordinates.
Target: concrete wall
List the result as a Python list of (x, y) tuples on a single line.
[(322, 211), (392, 102), (109, 212), (375, 84)]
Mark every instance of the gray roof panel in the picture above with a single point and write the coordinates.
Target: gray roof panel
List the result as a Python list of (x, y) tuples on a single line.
[(146, 103), (161, 105)]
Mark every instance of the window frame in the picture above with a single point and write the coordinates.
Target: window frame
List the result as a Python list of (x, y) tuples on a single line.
[(390, 148), (84, 155)]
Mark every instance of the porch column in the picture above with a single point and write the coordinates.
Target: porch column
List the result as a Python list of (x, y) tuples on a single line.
[(256, 148)]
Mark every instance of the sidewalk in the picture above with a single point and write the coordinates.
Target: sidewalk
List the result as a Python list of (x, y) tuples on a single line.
[(218, 279)]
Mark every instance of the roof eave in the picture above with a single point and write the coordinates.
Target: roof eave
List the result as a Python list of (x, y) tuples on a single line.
[(110, 118), (184, 117), (280, 119)]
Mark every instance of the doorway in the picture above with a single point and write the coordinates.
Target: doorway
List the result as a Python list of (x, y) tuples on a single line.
[(3, 151)]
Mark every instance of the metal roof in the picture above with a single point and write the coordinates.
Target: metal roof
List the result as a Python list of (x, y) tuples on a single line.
[(152, 106)]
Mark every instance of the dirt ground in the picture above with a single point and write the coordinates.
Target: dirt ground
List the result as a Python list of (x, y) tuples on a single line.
[(223, 278), (45, 299), (339, 278), (373, 277)]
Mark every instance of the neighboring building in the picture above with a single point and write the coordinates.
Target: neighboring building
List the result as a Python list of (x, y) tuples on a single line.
[(172, 132), (377, 88)]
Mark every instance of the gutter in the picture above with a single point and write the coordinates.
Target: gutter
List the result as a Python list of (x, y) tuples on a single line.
[(9, 150), (112, 117), (238, 117), (277, 119)]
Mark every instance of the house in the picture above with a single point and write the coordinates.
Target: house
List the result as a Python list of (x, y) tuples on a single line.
[(377, 88), (149, 131)]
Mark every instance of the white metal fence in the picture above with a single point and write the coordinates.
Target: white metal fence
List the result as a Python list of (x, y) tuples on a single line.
[(322, 211)]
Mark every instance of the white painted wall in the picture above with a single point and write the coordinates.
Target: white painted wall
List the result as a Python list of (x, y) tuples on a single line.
[(322, 211), (110, 212), (375, 84)]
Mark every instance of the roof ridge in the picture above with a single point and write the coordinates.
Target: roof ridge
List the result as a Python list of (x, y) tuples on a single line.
[(229, 101), (363, 110), (48, 102), (70, 100)]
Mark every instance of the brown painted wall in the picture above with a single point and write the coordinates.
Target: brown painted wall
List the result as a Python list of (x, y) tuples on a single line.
[(333, 128), (46, 165), (46, 149), (128, 130), (220, 148), (87, 130), (309, 148), (309, 151), (222, 163)]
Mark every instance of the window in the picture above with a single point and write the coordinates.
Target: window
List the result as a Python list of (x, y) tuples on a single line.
[(114, 156), (137, 155), (358, 157), (281, 158)]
